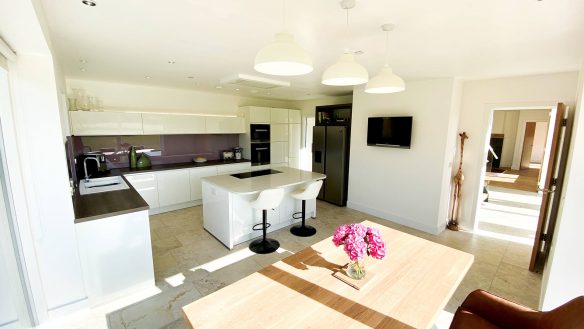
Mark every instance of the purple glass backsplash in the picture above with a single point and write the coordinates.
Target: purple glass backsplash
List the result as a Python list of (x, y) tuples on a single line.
[(162, 149)]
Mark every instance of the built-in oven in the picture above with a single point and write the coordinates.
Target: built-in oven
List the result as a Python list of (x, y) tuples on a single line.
[(260, 153), (259, 133)]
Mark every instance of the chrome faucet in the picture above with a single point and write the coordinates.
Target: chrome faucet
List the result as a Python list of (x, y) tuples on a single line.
[(85, 166)]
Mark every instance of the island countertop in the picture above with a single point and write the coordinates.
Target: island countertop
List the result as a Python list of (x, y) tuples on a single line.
[(286, 177)]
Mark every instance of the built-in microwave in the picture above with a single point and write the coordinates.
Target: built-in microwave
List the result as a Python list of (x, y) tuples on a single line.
[(259, 133), (260, 153)]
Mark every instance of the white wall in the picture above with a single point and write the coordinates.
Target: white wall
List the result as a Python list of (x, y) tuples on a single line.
[(539, 138), (525, 116), (407, 186), (564, 271), (131, 97), (37, 168), (479, 99)]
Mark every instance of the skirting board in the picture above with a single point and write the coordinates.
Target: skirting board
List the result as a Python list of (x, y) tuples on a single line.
[(396, 219), (68, 308), (173, 207)]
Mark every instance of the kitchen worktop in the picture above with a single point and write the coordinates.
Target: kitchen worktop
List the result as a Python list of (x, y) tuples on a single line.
[(286, 177), (90, 207)]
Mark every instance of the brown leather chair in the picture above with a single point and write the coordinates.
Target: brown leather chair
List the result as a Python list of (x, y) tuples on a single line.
[(482, 310)]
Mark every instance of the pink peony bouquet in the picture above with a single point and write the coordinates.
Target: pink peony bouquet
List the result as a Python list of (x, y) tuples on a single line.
[(359, 240)]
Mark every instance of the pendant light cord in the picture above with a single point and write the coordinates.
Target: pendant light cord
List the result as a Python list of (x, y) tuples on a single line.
[(284, 15), (386, 48)]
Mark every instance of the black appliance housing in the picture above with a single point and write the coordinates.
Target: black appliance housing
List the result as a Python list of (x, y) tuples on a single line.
[(259, 133), (330, 151), (260, 153), (390, 132)]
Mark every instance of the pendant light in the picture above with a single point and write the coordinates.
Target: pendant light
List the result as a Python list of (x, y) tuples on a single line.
[(283, 56), (385, 82), (346, 71)]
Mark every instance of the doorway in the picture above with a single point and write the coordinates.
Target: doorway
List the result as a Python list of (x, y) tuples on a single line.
[(519, 145)]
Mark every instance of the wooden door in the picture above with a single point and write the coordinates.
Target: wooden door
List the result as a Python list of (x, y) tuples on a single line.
[(558, 157), (527, 145)]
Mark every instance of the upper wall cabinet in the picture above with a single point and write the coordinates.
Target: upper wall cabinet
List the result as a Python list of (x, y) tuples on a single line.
[(278, 115), (105, 123), (225, 125), (294, 116), (259, 114), (167, 124)]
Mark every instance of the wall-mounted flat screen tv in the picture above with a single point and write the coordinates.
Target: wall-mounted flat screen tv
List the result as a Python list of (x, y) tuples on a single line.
[(390, 132)]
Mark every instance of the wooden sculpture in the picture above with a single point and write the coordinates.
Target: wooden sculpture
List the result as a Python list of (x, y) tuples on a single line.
[(457, 180)]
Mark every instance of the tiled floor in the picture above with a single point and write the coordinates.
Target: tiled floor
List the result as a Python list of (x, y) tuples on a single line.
[(181, 247)]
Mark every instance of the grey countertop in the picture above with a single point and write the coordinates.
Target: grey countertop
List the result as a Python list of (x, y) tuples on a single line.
[(107, 204)]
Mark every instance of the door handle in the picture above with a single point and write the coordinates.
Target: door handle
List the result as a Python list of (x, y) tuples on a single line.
[(543, 190)]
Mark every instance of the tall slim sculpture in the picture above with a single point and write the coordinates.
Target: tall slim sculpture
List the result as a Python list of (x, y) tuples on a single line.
[(457, 180)]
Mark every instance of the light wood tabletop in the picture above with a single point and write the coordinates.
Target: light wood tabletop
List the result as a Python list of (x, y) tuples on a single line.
[(409, 288)]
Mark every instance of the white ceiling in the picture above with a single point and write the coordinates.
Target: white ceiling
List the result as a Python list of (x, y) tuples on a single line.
[(127, 40)]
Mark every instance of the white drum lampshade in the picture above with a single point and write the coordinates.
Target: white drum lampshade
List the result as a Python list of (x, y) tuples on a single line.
[(283, 57), (385, 82), (345, 72)]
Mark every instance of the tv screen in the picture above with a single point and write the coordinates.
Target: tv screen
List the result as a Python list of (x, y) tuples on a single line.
[(389, 132)]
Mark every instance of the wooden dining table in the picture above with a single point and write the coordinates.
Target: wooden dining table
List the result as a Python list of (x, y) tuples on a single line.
[(407, 289)]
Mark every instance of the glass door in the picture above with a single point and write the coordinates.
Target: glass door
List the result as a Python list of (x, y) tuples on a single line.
[(14, 308)]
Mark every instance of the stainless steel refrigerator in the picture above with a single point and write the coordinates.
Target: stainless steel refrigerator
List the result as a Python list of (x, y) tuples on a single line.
[(330, 156)]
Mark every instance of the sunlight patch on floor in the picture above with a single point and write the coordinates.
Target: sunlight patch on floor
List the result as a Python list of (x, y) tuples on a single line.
[(506, 237), (227, 260), (175, 280)]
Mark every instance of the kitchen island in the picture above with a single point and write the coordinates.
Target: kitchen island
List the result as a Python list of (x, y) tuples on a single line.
[(227, 214)]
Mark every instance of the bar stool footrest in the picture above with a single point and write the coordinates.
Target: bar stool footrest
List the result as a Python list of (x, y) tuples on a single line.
[(261, 226)]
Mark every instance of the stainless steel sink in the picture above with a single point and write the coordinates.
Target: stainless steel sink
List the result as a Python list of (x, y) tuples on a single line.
[(105, 184)]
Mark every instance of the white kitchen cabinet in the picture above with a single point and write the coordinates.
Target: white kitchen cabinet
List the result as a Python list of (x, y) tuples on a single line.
[(294, 163), (116, 256), (173, 187), (259, 114), (294, 140), (278, 132), (225, 125), (146, 185), (278, 152), (233, 168), (278, 115), (167, 124), (85, 123), (195, 175), (294, 116)]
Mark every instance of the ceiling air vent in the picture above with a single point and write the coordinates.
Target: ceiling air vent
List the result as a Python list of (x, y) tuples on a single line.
[(247, 80)]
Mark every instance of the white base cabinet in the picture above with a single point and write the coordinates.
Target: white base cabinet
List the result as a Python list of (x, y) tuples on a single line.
[(147, 186), (169, 190), (195, 176), (173, 187), (116, 256)]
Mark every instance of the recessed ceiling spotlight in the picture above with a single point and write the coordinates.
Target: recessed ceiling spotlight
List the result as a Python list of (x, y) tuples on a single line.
[(89, 3), (236, 89), (359, 52), (147, 77), (171, 62), (82, 69), (83, 61), (190, 77), (218, 86)]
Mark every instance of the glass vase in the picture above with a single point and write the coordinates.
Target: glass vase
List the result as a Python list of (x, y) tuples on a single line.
[(356, 270)]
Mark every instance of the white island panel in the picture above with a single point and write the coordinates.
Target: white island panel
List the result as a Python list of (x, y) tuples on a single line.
[(227, 214)]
